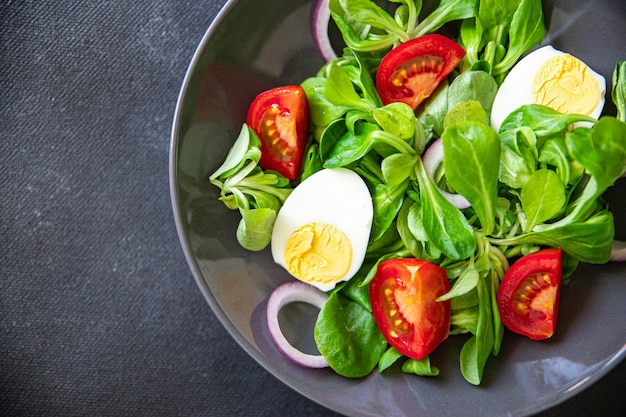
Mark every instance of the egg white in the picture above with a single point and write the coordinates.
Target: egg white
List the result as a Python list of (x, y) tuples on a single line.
[(516, 89), (338, 197)]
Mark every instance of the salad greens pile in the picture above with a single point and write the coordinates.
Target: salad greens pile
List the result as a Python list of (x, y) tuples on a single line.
[(536, 182), (366, 27)]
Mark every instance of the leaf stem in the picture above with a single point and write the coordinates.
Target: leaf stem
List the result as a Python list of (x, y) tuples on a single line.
[(392, 140)]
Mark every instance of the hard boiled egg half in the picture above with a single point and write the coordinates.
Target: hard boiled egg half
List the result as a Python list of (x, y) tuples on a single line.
[(553, 78), (322, 230)]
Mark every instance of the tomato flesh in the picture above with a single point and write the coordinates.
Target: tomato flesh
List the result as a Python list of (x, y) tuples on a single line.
[(528, 297), (280, 117), (403, 296), (410, 72)]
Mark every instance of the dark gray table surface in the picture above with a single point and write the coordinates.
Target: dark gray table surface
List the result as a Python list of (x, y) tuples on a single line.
[(99, 313)]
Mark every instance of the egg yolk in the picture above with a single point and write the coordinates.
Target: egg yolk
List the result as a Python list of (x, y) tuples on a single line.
[(566, 84), (318, 252)]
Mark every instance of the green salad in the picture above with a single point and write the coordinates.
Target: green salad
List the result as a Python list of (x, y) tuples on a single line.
[(484, 157)]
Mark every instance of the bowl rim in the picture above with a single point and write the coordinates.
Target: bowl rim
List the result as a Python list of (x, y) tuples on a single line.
[(173, 183), (250, 349)]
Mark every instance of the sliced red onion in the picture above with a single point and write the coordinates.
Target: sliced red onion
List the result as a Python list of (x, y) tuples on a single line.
[(433, 157), (618, 251), (284, 294), (321, 19)]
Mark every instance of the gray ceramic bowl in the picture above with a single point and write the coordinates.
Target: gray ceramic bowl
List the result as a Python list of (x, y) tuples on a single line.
[(253, 45)]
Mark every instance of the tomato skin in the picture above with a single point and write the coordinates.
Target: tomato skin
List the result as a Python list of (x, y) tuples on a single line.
[(403, 296), (410, 72), (528, 297), (280, 117)]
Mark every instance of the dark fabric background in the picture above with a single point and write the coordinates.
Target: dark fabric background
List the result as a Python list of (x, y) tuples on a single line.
[(99, 313)]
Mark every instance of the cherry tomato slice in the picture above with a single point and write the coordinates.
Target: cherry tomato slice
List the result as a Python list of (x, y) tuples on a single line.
[(528, 297), (280, 117), (410, 72), (403, 296)]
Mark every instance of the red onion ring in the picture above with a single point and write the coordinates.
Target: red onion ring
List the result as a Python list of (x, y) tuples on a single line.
[(618, 251), (321, 18), (284, 294), (433, 157)]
